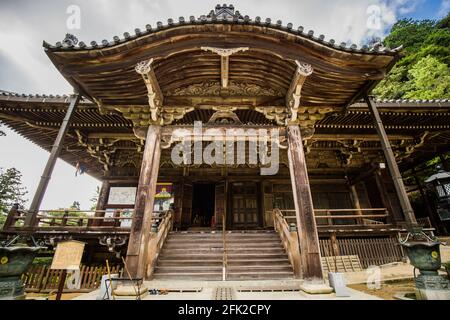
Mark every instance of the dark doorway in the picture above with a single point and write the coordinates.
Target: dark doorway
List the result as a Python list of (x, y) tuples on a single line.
[(202, 205)]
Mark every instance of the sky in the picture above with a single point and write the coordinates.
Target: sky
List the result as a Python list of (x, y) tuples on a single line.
[(24, 67)]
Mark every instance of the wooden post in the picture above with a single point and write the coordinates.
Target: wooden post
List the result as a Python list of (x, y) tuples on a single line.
[(30, 219), (143, 209), (356, 204), (384, 196), (10, 219), (62, 281), (306, 224), (424, 197), (334, 244), (408, 211), (101, 203)]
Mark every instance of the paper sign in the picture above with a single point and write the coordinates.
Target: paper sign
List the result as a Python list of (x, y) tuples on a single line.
[(68, 255)]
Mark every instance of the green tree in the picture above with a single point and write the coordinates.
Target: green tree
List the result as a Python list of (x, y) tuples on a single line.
[(393, 86), (410, 34), (75, 206), (418, 75), (11, 191), (428, 79)]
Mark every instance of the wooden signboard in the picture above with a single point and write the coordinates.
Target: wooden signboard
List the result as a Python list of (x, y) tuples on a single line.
[(68, 255)]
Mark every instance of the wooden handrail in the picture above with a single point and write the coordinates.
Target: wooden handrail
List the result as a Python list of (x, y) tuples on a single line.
[(289, 238), (157, 240), (354, 214)]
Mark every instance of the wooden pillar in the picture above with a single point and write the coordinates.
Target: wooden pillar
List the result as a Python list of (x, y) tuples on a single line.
[(306, 224), (10, 218), (101, 203), (143, 209), (334, 244), (424, 197), (356, 204), (30, 219), (385, 199), (408, 211)]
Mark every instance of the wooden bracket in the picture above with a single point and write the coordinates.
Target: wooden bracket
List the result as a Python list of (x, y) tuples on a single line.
[(294, 93), (224, 60), (155, 96)]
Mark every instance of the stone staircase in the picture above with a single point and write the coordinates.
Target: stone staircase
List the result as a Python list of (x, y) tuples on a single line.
[(198, 256)]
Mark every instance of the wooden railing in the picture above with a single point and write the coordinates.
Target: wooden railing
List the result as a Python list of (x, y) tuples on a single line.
[(66, 219), (40, 278), (348, 217), (162, 225), (289, 238)]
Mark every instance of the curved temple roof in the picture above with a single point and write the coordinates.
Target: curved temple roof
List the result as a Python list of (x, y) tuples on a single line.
[(221, 14), (270, 52)]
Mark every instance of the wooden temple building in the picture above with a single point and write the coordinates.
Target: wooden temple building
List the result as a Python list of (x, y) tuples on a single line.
[(338, 189)]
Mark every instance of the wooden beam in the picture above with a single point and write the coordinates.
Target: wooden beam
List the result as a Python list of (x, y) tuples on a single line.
[(304, 210), (54, 154), (393, 167), (294, 93), (224, 60), (143, 209)]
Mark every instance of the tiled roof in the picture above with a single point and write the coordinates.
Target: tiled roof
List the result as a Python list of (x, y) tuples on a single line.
[(62, 98), (223, 14)]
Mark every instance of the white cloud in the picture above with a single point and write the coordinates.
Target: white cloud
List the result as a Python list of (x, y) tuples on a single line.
[(444, 8)]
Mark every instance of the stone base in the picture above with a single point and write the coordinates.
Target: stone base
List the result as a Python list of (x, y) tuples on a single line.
[(430, 294), (11, 288), (315, 287)]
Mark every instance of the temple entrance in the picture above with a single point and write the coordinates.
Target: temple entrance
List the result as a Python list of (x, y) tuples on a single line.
[(245, 210), (203, 200)]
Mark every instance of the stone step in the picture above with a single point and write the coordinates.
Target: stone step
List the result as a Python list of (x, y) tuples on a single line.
[(188, 276), (231, 257), (219, 232), (188, 269), (220, 241), (218, 262), (198, 256), (230, 251), (216, 246), (259, 275)]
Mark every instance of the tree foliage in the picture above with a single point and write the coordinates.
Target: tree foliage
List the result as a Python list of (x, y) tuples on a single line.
[(11, 191), (423, 72)]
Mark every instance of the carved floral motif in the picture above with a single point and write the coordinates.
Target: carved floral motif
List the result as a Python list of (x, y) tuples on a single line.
[(214, 88)]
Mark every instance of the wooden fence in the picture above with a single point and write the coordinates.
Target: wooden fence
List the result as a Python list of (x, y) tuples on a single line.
[(371, 251), (40, 278)]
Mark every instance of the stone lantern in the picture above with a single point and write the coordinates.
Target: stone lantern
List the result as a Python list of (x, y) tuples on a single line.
[(440, 183), (423, 250)]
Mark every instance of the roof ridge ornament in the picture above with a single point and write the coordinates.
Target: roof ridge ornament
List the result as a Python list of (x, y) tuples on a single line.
[(225, 12), (70, 40)]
